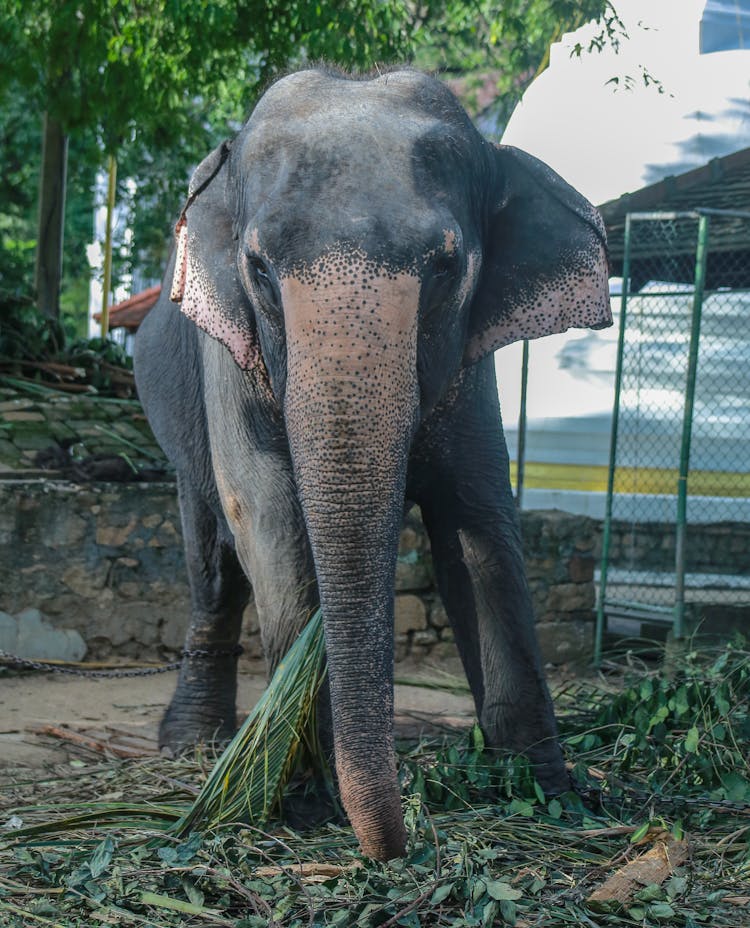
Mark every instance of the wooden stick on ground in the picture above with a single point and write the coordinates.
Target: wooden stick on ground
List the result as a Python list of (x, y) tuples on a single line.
[(652, 867)]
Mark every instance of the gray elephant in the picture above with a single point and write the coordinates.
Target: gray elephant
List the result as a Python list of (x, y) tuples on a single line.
[(345, 268)]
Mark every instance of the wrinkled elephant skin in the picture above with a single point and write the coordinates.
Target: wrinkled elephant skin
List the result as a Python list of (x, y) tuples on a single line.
[(347, 265)]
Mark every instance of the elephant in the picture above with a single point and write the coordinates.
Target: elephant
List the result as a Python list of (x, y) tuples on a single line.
[(321, 359)]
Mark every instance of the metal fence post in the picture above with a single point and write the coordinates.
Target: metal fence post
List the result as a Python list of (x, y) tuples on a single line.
[(701, 255), (607, 532), (521, 449)]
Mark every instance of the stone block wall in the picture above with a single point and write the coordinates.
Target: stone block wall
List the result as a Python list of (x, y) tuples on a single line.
[(107, 561), (710, 547), (103, 559), (561, 551), (86, 424)]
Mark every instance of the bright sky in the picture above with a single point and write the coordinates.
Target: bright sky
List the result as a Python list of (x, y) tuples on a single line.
[(603, 140), (607, 142)]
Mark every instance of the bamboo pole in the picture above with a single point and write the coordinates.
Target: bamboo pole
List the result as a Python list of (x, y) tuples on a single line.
[(107, 283)]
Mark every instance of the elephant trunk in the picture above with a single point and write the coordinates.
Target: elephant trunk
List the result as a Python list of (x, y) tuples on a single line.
[(351, 405), (354, 559)]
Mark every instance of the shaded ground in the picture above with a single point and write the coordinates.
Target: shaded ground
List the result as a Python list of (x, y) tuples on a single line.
[(657, 835), (127, 710)]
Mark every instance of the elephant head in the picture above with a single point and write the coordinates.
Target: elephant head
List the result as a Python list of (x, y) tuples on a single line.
[(356, 245)]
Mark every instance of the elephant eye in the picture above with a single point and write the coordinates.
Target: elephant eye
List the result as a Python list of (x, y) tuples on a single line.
[(440, 281), (258, 267), (261, 279), (444, 266)]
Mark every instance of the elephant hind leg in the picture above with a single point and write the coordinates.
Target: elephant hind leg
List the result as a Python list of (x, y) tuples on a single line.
[(470, 516), (203, 707), (481, 579)]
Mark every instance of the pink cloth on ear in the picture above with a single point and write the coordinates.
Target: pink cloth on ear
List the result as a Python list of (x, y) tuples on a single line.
[(180, 267)]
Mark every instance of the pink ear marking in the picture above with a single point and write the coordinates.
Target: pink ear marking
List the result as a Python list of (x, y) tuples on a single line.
[(180, 267)]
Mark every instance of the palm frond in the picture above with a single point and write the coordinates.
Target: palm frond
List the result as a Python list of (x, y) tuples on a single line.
[(249, 777)]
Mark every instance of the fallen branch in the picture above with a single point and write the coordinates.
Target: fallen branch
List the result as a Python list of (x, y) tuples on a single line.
[(64, 386), (650, 868), (309, 871), (128, 746)]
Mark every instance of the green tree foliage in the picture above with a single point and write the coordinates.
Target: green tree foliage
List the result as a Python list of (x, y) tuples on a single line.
[(20, 155), (120, 66), (20, 140), (506, 43)]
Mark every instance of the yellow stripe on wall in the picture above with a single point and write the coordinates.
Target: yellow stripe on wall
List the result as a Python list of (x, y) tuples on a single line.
[(540, 475)]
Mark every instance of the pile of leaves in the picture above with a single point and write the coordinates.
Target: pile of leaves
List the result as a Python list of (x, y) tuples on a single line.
[(656, 834), (34, 351)]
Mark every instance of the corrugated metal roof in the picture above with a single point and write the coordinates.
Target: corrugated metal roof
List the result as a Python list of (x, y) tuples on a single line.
[(130, 313), (723, 184)]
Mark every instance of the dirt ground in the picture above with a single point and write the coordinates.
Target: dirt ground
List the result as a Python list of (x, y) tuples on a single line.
[(124, 712)]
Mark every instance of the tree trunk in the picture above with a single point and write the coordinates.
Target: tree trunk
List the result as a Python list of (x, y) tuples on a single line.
[(51, 216)]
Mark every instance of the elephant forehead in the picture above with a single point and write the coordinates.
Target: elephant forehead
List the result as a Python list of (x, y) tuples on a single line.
[(313, 121), (314, 93), (351, 161), (335, 156)]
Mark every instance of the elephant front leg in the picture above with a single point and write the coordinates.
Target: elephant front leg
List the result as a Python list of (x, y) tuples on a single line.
[(203, 708), (272, 544)]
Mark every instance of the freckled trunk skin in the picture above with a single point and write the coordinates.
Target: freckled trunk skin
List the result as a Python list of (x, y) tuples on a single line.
[(350, 406)]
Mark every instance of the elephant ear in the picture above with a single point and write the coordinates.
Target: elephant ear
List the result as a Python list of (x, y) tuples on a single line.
[(206, 282), (545, 267)]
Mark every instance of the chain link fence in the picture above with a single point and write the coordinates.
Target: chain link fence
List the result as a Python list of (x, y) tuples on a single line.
[(676, 544)]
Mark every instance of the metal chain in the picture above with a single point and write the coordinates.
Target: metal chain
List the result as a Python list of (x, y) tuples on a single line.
[(201, 653), (632, 793), (678, 800)]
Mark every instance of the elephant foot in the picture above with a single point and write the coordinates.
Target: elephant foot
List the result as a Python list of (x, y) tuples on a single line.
[(549, 769), (203, 708), (528, 727), (311, 803), (546, 756), (180, 730)]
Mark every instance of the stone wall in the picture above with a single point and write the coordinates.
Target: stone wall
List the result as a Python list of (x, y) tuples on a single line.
[(561, 550), (106, 560), (710, 547)]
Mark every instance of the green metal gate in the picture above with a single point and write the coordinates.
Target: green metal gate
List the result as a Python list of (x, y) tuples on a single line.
[(676, 541)]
